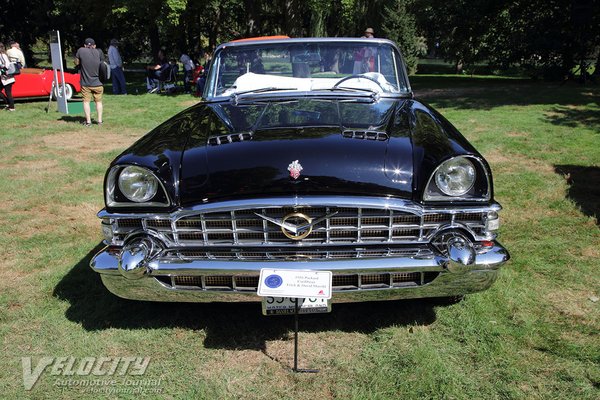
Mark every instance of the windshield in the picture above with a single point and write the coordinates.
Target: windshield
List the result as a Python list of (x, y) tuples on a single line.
[(307, 66)]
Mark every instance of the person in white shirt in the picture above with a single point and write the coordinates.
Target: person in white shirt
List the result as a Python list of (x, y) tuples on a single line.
[(6, 80), (116, 68), (188, 71), (15, 54)]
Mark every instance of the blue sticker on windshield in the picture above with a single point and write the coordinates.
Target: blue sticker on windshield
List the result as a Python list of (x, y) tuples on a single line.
[(273, 281)]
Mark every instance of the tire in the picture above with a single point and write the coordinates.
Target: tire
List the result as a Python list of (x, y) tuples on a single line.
[(69, 90)]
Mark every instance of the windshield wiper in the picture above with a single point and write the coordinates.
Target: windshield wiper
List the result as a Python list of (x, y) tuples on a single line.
[(345, 89), (373, 95), (236, 95)]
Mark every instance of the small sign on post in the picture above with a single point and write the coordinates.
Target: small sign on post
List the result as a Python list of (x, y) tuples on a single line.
[(292, 291)]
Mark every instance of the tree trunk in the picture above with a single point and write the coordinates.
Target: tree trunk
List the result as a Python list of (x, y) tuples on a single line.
[(292, 24), (214, 32), (154, 39)]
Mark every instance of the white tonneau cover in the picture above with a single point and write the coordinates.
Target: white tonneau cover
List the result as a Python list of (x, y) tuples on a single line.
[(251, 81)]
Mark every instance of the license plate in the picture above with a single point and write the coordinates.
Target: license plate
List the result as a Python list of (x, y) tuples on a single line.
[(287, 305)]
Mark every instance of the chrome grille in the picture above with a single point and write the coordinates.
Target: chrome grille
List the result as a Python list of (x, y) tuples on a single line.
[(344, 226), (341, 282), (348, 225)]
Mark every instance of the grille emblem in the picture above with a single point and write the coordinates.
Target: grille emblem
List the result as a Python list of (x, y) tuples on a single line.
[(301, 223), (295, 169), (296, 226)]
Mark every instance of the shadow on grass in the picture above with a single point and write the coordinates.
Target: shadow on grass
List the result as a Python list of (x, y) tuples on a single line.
[(584, 187), (78, 119), (575, 117), (226, 325), (481, 93)]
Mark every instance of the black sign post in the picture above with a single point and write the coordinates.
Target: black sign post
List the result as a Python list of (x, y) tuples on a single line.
[(296, 313)]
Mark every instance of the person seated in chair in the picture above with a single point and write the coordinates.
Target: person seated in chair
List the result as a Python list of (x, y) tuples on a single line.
[(157, 71)]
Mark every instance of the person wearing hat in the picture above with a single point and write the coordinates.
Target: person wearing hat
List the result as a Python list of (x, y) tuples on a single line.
[(88, 58), (364, 59), (116, 68)]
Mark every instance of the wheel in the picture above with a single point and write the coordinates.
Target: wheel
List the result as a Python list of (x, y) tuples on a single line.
[(68, 92), (358, 76)]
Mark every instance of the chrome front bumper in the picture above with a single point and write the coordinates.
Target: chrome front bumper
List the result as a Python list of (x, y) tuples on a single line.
[(462, 271)]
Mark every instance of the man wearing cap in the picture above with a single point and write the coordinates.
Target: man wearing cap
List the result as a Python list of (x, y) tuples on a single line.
[(116, 68), (88, 59), (369, 33)]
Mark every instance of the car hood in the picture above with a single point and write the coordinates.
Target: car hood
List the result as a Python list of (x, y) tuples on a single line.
[(341, 148), (221, 150)]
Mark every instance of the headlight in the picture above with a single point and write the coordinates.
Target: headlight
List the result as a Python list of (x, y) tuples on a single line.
[(137, 184), (455, 177)]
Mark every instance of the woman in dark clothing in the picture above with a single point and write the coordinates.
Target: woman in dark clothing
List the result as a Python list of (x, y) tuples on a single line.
[(6, 81)]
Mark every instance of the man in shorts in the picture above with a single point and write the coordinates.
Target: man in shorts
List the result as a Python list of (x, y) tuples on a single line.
[(88, 58)]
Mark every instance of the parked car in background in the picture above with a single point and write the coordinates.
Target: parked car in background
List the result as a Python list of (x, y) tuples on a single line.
[(306, 154), (37, 82)]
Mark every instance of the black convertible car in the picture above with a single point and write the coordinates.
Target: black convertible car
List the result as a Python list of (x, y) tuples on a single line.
[(304, 154)]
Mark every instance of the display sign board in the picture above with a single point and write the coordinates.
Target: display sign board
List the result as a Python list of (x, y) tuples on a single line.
[(59, 74), (295, 283)]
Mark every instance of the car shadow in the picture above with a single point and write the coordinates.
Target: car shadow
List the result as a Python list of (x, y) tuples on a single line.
[(226, 325), (584, 187)]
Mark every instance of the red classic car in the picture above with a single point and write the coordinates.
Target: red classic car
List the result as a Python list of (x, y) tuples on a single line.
[(36, 82)]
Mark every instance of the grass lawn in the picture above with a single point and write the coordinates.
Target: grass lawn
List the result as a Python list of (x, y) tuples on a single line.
[(533, 335)]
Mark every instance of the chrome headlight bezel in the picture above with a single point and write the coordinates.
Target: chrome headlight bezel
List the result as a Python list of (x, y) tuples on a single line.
[(115, 197), (477, 190)]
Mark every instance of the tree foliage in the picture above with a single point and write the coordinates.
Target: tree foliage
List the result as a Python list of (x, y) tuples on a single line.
[(545, 36)]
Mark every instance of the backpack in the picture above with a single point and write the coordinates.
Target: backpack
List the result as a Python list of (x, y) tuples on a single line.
[(10, 68), (104, 72), (13, 68)]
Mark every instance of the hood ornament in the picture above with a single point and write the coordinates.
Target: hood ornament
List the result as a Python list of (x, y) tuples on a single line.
[(295, 169)]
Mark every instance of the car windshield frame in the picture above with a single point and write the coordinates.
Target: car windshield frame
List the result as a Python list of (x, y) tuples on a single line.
[(307, 66)]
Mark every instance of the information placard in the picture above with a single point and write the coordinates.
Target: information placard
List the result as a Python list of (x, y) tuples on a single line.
[(294, 283), (58, 86)]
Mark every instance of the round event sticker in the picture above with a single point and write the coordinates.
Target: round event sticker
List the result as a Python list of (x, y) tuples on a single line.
[(273, 281)]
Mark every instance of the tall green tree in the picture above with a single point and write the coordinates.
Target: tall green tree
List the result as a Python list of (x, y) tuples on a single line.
[(400, 26)]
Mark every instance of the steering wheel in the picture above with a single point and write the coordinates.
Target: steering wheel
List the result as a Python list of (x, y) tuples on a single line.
[(358, 76)]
